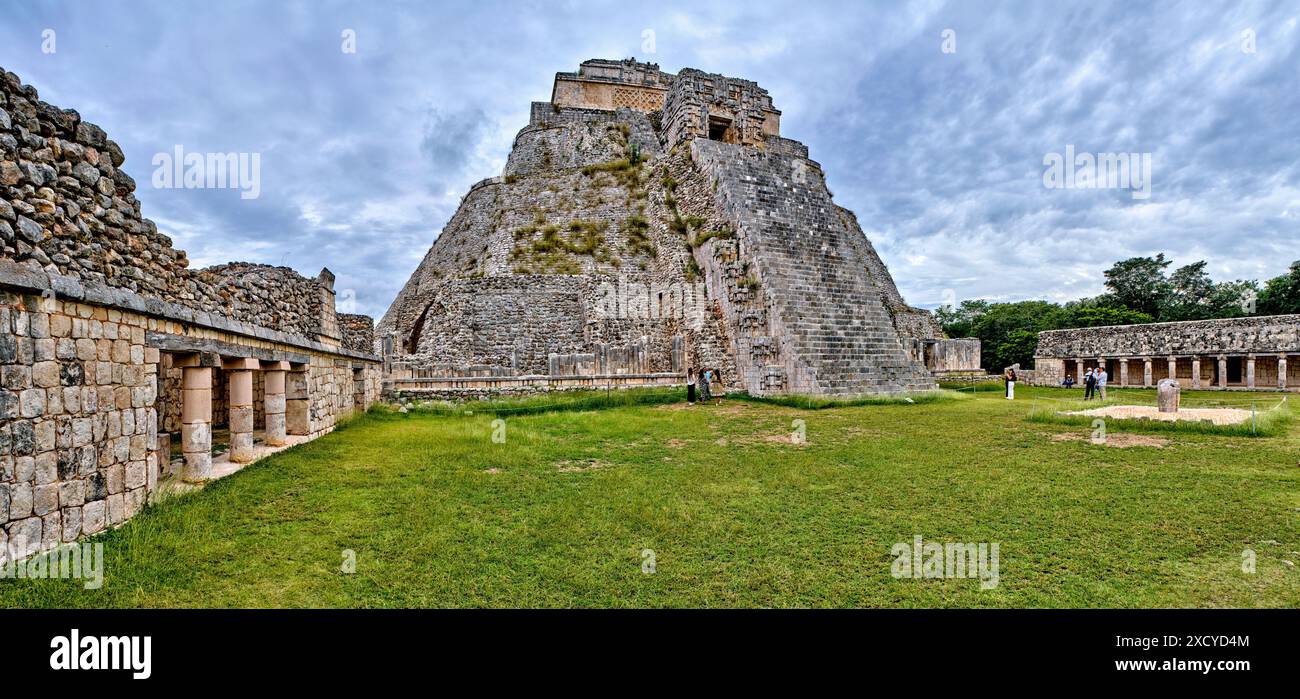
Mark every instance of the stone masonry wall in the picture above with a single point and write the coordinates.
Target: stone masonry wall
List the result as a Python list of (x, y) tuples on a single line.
[(79, 388), (1227, 336), (92, 300), (358, 332), (67, 206)]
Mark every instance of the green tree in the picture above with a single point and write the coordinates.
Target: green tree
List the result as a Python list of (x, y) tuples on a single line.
[(1139, 283), (957, 322), (997, 329), (1087, 314), (1281, 294)]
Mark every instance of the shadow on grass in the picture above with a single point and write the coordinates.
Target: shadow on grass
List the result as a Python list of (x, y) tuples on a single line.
[(552, 402), (823, 402)]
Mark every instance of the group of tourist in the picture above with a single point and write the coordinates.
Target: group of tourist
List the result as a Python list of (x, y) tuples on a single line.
[(1094, 383), (709, 383)]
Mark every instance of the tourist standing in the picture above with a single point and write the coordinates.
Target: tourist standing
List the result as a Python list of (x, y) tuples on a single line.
[(1010, 377), (1101, 382), (690, 386), (1089, 382), (704, 386), (715, 386)]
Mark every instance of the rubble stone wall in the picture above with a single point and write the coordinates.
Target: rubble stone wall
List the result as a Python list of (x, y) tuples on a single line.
[(93, 301), (1227, 336), (66, 206)]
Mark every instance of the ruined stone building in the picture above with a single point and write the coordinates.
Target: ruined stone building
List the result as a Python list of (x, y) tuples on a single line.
[(1232, 354), (119, 363), (647, 223)]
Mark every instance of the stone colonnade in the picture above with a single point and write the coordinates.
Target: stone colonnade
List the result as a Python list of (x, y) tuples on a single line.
[(1246, 367), (285, 406)]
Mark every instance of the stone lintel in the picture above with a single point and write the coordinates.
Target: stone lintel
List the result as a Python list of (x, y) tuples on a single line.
[(242, 363), (167, 342)]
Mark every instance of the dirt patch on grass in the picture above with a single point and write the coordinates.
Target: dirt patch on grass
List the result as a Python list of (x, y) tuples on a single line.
[(786, 439), (676, 443), (492, 470), (580, 466), (1219, 416), (1119, 441)]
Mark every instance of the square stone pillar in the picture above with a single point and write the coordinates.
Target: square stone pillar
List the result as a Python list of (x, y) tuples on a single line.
[(1123, 371), (1078, 374), (1250, 371), (1173, 367), (296, 411), (1196, 372), (1146, 371), (1281, 371), (240, 382), (273, 382), (1223, 371), (196, 423)]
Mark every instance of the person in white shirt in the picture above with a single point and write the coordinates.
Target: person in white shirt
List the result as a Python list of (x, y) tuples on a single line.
[(1101, 382)]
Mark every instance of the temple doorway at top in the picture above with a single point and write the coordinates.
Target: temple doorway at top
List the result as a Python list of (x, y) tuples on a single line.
[(721, 129)]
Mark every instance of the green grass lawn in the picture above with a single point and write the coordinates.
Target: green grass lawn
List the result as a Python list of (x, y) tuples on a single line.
[(559, 514)]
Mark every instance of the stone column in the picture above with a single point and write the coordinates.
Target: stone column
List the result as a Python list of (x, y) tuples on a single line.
[(1173, 367), (1223, 371), (1146, 371), (1281, 370), (196, 423), (273, 387), (241, 415), (1123, 371), (1196, 372), (296, 411), (1250, 371)]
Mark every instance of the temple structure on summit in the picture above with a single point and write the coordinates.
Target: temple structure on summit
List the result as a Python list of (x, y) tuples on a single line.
[(648, 223)]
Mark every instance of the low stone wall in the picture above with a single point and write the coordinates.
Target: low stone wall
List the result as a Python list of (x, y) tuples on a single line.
[(1256, 353), (108, 341), (79, 408)]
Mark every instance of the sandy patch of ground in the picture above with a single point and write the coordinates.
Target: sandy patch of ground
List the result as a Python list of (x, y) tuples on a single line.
[(580, 466), (492, 470), (676, 444), (1119, 441), (1219, 416), (786, 439)]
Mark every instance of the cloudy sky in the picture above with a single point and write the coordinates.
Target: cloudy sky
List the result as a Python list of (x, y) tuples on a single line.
[(931, 119)]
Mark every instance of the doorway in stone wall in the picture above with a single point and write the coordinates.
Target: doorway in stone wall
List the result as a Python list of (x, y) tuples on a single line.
[(720, 129)]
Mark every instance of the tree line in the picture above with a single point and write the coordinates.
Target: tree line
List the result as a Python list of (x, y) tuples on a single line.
[(1138, 290)]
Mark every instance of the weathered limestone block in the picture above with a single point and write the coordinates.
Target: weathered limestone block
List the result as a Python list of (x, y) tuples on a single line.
[(274, 408), (1167, 395)]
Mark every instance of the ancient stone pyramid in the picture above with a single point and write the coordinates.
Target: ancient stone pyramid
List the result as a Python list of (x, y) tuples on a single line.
[(646, 223)]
